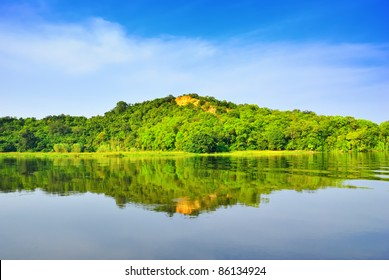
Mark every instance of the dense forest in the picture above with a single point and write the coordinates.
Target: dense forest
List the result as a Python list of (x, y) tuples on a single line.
[(194, 124)]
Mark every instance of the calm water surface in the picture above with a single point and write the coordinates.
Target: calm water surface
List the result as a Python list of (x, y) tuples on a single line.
[(315, 206)]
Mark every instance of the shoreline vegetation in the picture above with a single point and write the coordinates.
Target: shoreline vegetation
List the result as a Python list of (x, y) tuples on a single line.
[(192, 124), (141, 154), (167, 154)]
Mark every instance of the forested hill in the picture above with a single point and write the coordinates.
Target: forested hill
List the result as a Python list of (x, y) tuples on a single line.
[(195, 124)]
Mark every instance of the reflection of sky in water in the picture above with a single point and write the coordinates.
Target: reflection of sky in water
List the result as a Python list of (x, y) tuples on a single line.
[(382, 173), (327, 224)]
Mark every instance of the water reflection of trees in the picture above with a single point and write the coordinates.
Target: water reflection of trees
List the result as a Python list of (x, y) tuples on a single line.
[(186, 185)]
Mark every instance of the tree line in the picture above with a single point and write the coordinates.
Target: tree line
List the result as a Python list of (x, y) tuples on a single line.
[(195, 124)]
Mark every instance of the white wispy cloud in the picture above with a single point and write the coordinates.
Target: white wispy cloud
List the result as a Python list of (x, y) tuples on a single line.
[(85, 68)]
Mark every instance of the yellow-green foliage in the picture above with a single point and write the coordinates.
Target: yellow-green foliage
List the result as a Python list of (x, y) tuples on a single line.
[(76, 148), (61, 148)]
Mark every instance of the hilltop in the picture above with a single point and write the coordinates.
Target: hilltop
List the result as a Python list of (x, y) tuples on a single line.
[(192, 123)]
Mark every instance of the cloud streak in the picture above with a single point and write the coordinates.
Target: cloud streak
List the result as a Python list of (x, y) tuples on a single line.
[(85, 68)]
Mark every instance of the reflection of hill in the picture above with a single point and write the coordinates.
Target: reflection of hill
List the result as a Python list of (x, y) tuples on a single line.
[(184, 185)]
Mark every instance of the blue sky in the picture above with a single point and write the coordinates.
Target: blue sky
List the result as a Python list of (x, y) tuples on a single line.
[(81, 57)]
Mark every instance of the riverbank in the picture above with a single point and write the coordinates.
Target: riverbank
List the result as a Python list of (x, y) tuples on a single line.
[(149, 154)]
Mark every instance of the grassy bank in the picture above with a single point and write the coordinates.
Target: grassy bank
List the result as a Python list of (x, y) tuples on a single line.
[(263, 153), (95, 155), (149, 154)]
